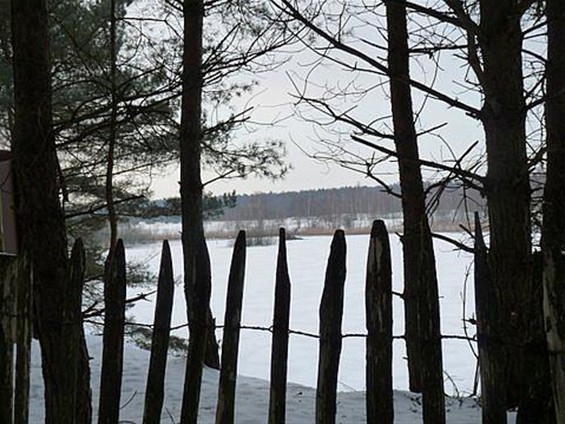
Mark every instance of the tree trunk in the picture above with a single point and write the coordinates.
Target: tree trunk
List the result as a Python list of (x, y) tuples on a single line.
[(493, 407), (553, 233), (41, 220), (421, 301), (112, 135), (507, 187), (191, 188)]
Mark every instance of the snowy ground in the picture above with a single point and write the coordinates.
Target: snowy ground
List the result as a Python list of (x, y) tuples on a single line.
[(252, 396), (307, 260)]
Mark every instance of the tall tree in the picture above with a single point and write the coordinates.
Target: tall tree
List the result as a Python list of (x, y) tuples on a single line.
[(421, 298), (197, 273), (553, 235), (41, 220), (507, 187)]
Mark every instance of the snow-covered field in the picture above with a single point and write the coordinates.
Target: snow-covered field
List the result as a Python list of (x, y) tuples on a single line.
[(307, 260)]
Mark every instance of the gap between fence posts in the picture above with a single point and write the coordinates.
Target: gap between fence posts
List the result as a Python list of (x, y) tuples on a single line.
[(331, 315), (378, 308), (113, 341), (493, 401), (230, 344), (279, 349), (154, 393)]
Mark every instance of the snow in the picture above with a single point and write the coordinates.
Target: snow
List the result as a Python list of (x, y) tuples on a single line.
[(307, 260), (252, 396)]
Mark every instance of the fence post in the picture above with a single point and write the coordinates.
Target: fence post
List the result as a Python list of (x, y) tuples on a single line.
[(492, 398), (378, 308), (77, 353), (113, 345), (331, 314), (230, 345), (154, 392), (279, 349), (7, 311), (198, 322), (24, 280)]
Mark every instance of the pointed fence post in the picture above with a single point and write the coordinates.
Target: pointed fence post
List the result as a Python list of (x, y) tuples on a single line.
[(24, 280), (6, 385), (378, 308), (331, 315), (492, 400), (154, 392), (23, 348), (230, 345), (7, 334), (279, 350), (113, 345), (75, 333), (198, 323)]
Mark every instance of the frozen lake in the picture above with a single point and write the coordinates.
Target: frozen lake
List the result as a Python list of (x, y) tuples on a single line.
[(307, 260)]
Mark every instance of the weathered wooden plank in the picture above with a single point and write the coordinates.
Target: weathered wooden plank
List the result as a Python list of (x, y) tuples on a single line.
[(23, 276), (113, 345), (230, 345), (77, 353), (8, 332), (279, 349), (198, 333), (83, 410), (378, 309), (331, 315), (154, 393), (492, 384)]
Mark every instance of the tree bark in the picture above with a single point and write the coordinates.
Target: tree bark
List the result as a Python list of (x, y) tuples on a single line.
[(553, 233), (41, 220), (421, 299), (191, 188), (507, 187), (112, 135)]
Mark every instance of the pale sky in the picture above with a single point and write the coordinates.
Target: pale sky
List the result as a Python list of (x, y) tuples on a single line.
[(272, 100)]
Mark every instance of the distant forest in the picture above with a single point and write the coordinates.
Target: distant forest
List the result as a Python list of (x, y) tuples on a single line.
[(446, 202)]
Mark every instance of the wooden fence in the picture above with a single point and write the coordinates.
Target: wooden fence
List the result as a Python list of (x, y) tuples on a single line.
[(379, 338)]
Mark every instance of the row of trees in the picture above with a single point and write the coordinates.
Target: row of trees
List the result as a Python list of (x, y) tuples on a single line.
[(491, 62), (91, 116), (90, 100)]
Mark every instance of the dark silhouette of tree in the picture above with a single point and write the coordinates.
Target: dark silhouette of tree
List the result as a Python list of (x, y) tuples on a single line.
[(41, 219), (553, 235), (421, 298)]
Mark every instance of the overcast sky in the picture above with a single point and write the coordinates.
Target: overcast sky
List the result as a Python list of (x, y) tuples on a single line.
[(273, 100)]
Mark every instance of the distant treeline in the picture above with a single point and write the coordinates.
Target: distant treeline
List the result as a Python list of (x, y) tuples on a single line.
[(442, 201)]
